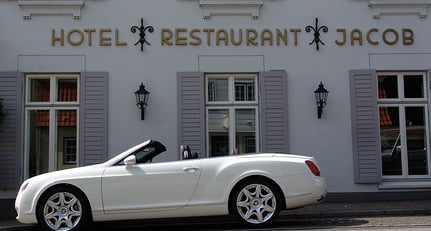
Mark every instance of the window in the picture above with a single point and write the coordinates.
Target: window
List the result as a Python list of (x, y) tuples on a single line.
[(69, 150), (51, 122), (403, 113), (231, 108)]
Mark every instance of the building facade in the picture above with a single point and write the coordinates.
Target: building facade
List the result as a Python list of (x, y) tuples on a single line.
[(224, 77)]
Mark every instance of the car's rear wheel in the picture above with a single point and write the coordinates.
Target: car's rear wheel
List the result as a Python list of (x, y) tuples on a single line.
[(256, 203), (63, 208)]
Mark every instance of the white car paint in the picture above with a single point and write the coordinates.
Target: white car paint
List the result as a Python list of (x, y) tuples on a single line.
[(194, 187)]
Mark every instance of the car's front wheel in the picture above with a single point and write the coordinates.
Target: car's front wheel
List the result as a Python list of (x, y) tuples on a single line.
[(63, 208), (256, 203)]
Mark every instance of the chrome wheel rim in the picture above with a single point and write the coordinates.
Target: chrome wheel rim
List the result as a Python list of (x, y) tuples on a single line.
[(62, 211), (256, 203)]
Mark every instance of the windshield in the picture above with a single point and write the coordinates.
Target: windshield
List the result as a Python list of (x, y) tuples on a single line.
[(146, 153)]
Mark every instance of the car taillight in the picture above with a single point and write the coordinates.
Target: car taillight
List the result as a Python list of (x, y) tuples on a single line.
[(313, 167)]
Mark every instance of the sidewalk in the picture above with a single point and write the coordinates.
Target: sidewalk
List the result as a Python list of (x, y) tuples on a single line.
[(328, 209), (357, 209)]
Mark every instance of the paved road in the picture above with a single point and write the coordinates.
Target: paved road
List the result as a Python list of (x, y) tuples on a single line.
[(389, 223)]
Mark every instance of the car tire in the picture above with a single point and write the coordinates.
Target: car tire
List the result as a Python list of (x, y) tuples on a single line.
[(256, 203), (63, 208)]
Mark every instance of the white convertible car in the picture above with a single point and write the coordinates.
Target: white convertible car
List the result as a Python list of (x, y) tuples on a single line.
[(254, 188)]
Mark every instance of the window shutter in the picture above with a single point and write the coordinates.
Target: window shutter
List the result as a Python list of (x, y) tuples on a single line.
[(191, 111), (273, 111), (365, 126), (11, 130), (93, 118)]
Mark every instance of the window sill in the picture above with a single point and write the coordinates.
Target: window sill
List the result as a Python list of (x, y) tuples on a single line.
[(405, 185), (230, 7), (50, 8), (399, 7)]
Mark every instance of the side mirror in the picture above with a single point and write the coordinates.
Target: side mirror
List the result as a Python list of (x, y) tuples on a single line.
[(130, 160)]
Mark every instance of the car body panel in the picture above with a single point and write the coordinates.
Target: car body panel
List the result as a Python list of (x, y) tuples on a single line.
[(151, 185), (193, 187), (87, 179)]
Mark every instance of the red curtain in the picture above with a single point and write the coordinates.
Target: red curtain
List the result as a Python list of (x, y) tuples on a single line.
[(67, 92), (385, 118)]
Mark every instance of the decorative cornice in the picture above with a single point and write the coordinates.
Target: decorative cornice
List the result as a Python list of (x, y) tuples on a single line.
[(230, 7), (51, 7), (399, 7)]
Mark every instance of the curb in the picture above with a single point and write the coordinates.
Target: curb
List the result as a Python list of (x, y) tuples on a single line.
[(324, 210)]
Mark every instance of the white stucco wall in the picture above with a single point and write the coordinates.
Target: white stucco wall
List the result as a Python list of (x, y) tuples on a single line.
[(25, 45)]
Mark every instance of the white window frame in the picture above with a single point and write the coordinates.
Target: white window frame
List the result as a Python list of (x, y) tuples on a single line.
[(401, 103), (401, 98), (52, 106), (231, 89), (53, 89), (231, 105), (231, 126)]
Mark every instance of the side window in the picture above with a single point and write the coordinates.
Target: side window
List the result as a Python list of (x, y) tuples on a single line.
[(141, 154), (149, 152)]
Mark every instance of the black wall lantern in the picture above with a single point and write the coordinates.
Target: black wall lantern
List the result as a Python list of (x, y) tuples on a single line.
[(321, 95), (142, 96)]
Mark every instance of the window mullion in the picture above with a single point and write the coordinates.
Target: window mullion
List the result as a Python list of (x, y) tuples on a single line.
[(231, 89), (400, 83), (427, 140), (52, 140), (403, 131), (232, 130), (52, 90), (257, 125)]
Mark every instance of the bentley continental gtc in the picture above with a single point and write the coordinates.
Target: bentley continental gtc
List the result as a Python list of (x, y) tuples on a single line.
[(254, 188)]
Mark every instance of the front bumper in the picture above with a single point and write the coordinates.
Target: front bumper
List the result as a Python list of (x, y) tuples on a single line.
[(23, 206)]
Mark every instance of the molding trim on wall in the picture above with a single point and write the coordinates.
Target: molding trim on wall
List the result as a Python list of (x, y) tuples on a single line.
[(230, 7), (50, 8), (399, 7)]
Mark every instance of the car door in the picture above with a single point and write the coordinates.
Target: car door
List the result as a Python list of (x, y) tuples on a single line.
[(150, 186)]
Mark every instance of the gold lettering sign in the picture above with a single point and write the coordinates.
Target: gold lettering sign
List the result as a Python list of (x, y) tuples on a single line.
[(76, 37), (232, 37), (223, 37), (374, 37)]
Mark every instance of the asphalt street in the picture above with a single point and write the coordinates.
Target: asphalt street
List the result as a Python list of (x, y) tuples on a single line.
[(393, 215), (380, 223)]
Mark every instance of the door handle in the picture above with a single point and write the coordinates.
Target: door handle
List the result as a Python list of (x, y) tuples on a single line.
[(190, 169)]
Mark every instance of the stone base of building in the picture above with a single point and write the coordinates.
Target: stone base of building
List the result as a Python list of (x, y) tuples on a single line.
[(7, 208), (376, 196)]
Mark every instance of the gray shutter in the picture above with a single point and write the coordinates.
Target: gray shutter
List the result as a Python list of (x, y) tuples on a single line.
[(191, 111), (273, 111), (93, 118), (10, 130), (365, 126)]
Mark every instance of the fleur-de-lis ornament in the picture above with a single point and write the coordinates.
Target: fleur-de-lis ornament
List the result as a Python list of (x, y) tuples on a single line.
[(316, 34), (142, 34)]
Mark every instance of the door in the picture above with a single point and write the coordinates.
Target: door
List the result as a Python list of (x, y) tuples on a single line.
[(150, 186)]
